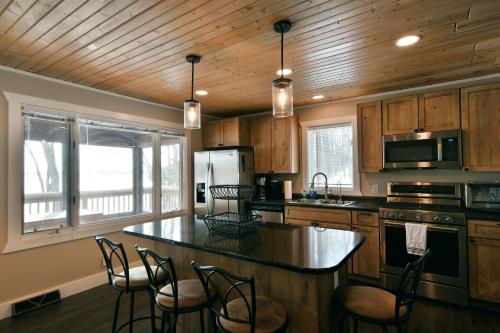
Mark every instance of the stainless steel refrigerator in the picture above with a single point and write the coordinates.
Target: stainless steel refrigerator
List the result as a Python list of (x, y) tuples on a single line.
[(221, 167)]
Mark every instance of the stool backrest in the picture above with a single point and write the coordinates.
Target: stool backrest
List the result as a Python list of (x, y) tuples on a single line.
[(409, 282), (227, 287), (114, 255), (160, 273)]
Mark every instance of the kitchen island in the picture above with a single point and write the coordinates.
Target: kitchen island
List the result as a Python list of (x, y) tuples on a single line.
[(295, 265)]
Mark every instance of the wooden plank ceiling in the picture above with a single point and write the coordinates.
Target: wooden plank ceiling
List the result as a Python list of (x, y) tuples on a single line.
[(337, 48)]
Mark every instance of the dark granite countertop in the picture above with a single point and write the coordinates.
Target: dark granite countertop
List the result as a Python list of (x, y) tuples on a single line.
[(291, 247), (360, 203)]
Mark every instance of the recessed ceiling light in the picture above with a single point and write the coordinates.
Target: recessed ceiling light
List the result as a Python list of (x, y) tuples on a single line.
[(407, 40), (286, 71), (318, 97), (201, 92), (92, 47)]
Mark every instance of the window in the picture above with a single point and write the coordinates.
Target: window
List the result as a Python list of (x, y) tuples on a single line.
[(116, 171), (46, 174), (116, 167), (330, 150), (172, 146)]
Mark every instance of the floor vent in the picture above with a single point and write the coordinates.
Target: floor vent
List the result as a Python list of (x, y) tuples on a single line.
[(35, 302)]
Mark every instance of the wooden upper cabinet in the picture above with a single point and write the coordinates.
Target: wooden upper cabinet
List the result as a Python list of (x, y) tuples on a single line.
[(227, 132), (212, 133), (369, 137), (262, 144), (481, 127), (275, 142), (285, 148), (400, 115), (439, 111)]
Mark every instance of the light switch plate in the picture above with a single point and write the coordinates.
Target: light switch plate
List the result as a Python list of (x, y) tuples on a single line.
[(375, 188)]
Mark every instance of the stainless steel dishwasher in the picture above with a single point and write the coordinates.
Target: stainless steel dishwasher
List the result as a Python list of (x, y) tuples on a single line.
[(269, 212)]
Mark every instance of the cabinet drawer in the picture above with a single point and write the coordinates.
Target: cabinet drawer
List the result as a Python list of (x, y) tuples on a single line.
[(299, 222), (365, 218), (318, 214), (485, 229)]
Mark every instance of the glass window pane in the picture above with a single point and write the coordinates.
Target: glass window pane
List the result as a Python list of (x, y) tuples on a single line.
[(330, 151), (46, 155), (115, 171), (172, 147)]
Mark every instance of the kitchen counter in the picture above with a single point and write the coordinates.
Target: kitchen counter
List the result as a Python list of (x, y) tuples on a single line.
[(371, 204), (298, 266), (291, 247)]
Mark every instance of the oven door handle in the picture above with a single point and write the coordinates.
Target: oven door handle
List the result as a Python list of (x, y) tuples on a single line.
[(401, 224)]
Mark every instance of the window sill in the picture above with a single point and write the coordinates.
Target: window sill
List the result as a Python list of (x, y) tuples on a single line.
[(50, 237)]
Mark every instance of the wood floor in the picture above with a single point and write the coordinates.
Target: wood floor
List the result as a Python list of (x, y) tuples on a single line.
[(92, 311)]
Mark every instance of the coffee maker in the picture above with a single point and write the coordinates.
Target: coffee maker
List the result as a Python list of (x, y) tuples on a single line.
[(261, 187)]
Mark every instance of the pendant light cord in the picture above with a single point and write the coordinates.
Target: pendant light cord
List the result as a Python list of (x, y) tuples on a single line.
[(281, 53), (192, 79)]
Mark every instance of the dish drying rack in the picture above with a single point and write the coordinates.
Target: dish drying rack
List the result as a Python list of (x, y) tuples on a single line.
[(231, 223)]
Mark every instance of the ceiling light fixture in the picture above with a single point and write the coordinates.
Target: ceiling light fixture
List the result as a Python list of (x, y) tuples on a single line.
[(201, 92), (318, 97), (286, 71), (407, 40), (92, 47), (282, 88), (192, 108)]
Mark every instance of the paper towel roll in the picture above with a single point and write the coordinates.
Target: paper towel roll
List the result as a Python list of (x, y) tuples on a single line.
[(287, 184)]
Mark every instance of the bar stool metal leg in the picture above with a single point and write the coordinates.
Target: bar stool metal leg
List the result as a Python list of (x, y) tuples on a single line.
[(131, 316), (202, 322), (152, 309), (117, 309)]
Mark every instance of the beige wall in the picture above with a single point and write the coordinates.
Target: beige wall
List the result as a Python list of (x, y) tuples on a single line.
[(27, 272), (332, 110)]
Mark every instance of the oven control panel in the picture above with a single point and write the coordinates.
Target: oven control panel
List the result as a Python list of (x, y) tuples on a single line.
[(453, 218)]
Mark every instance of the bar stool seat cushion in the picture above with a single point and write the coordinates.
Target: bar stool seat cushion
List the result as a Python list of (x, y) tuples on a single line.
[(190, 294), (270, 315), (370, 302), (138, 277)]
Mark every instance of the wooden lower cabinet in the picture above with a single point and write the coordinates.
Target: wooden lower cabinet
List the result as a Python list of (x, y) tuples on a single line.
[(366, 260), (484, 260)]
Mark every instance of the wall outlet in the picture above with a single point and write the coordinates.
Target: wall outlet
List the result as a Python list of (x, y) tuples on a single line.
[(375, 188)]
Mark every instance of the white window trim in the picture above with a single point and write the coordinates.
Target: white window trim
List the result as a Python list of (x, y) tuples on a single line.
[(305, 125), (16, 240)]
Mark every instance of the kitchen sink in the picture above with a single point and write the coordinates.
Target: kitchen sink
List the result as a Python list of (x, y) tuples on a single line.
[(322, 202)]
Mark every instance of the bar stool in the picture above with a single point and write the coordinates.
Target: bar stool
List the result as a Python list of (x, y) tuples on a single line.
[(236, 313), (128, 280), (381, 307), (173, 297)]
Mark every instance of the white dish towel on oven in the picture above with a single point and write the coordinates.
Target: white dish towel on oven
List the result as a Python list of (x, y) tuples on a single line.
[(416, 238)]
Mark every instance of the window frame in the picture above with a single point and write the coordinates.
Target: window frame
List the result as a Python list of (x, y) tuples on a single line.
[(16, 239), (325, 123)]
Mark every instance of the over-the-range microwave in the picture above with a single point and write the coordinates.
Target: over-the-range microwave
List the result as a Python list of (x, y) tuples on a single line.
[(440, 149)]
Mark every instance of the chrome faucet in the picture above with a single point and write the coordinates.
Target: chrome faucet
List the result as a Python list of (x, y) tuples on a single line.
[(339, 185), (326, 182)]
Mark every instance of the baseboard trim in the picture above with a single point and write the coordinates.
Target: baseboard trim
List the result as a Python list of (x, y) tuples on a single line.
[(67, 289)]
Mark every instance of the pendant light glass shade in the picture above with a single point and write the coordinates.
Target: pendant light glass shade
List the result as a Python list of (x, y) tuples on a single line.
[(192, 108), (282, 87), (192, 114), (282, 98)]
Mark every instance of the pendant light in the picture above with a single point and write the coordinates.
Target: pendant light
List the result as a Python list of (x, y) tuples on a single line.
[(282, 87), (192, 108)]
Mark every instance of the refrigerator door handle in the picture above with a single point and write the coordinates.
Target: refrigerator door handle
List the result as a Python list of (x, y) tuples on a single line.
[(208, 194)]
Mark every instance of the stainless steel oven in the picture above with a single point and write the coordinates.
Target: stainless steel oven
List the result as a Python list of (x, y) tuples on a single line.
[(441, 149), (438, 205)]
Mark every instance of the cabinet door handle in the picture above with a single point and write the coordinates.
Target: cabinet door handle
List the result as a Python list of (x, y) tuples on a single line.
[(472, 240)]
